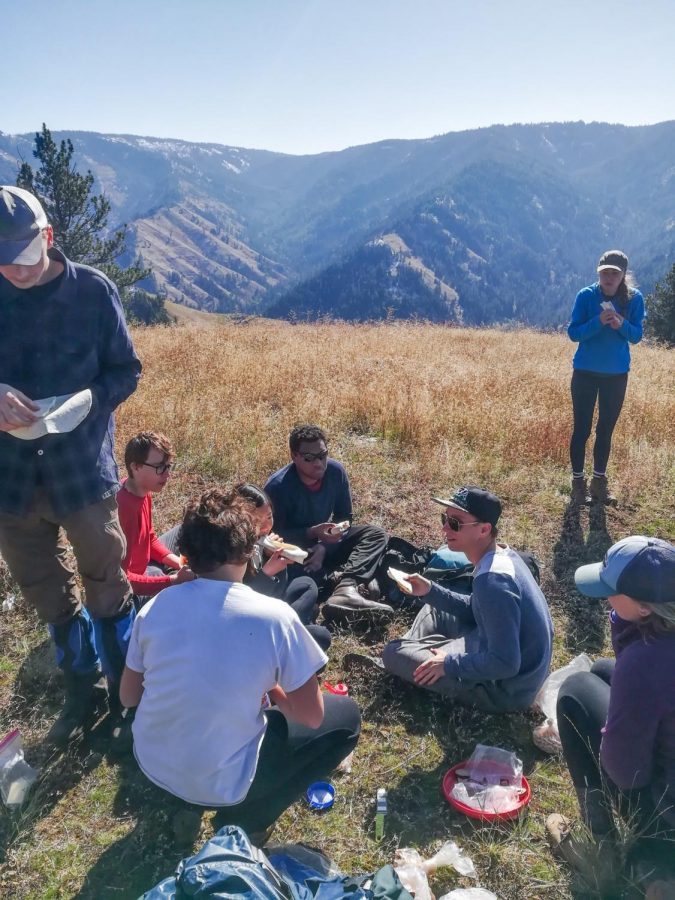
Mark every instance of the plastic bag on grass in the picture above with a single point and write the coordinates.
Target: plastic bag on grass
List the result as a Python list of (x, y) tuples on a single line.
[(409, 867), (16, 776), (546, 736), (492, 798), (546, 699), (413, 869), (493, 765), (450, 855)]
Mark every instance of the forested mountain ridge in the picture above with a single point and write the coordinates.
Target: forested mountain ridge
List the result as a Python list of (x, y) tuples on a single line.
[(480, 226)]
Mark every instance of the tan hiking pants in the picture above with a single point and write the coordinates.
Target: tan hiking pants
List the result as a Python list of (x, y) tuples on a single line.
[(35, 547)]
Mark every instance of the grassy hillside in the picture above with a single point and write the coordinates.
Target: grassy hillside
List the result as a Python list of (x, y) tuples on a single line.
[(411, 410)]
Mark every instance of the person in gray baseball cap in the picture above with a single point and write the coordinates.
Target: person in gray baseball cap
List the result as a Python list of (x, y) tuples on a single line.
[(66, 363), (617, 722)]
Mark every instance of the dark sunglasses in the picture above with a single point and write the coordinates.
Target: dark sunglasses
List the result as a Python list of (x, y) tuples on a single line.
[(454, 524), (160, 468), (310, 457)]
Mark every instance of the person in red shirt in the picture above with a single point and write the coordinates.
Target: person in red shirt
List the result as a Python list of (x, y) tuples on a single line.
[(148, 458)]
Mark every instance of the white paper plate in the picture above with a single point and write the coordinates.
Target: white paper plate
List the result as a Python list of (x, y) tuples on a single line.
[(58, 415)]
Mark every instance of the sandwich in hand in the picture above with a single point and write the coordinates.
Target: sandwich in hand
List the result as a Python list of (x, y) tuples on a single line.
[(289, 551), (340, 527), (401, 579)]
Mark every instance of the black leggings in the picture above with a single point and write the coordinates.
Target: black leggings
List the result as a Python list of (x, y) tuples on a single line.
[(302, 595), (291, 757), (609, 391), (583, 703)]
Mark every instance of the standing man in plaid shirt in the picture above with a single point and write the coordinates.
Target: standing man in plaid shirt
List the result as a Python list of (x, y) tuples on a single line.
[(64, 338)]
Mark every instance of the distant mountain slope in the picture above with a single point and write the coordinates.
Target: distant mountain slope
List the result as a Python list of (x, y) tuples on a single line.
[(496, 243), (480, 226)]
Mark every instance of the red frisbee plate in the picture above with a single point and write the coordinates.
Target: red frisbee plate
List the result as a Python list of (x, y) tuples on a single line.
[(450, 780)]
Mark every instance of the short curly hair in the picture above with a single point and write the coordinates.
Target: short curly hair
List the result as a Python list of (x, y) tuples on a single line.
[(305, 434), (216, 529)]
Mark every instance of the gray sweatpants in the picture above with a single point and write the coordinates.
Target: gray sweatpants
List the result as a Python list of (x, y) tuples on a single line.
[(441, 630)]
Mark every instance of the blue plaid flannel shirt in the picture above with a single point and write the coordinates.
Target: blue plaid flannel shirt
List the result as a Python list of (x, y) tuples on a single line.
[(75, 338)]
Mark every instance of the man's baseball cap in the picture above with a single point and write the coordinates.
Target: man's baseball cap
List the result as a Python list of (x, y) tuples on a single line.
[(613, 259), (642, 568), (22, 219), (477, 502)]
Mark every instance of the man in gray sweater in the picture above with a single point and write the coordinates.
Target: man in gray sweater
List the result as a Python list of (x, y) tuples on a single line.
[(492, 648)]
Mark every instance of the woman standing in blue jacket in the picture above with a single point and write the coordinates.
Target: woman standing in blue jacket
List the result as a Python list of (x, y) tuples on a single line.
[(606, 318)]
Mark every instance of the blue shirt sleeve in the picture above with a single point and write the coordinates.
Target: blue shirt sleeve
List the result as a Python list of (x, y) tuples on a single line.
[(496, 608), (631, 327), (445, 600), (120, 367), (585, 322)]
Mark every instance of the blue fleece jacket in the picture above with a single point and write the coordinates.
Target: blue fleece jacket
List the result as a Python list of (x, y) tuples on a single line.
[(602, 348), (508, 628)]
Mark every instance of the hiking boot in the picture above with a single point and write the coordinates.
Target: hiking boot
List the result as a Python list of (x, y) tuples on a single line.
[(595, 859), (370, 591), (346, 602), (86, 701), (362, 662), (579, 493), (599, 491)]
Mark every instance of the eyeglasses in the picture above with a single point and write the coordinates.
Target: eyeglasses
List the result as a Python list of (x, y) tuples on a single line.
[(160, 468), (311, 457), (454, 524)]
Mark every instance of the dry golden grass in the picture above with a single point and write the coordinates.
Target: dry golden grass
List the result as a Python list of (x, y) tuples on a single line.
[(406, 406), (410, 409)]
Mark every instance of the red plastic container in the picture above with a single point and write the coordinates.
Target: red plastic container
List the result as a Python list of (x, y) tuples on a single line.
[(340, 688), (449, 781)]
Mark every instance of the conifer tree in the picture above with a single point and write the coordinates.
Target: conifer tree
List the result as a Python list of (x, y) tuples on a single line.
[(660, 319), (80, 218)]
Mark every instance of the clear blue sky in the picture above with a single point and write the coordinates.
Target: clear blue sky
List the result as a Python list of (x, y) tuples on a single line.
[(302, 76)]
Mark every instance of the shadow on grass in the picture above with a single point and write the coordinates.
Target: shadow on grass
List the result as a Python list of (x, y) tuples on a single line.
[(145, 856), (586, 618), (37, 697)]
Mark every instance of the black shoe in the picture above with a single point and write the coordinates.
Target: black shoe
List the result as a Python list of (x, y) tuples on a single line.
[(86, 701), (370, 591), (347, 604), (361, 662)]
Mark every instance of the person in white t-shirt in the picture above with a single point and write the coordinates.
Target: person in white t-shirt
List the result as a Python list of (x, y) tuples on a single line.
[(206, 659)]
